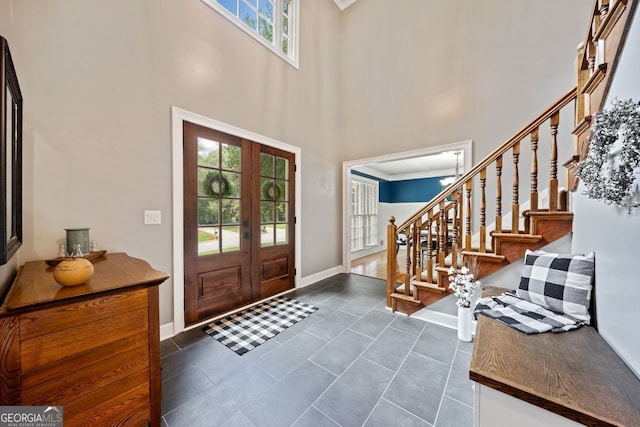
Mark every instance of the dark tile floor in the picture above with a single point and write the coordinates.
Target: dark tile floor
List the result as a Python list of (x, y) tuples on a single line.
[(351, 363)]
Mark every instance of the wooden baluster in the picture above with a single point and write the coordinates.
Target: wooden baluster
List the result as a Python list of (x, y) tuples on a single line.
[(534, 169), (553, 172), (499, 195), (604, 9), (515, 205), (430, 246), (392, 259), (467, 237), (459, 207), (407, 270), (455, 197), (417, 249), (483, 210), (442, 254), (438, 247), (591, 56), (581, 99)]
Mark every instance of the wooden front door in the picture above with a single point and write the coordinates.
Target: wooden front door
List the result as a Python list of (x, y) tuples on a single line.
[(238, 222)]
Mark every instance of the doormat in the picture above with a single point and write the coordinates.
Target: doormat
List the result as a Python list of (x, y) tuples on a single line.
[(247, 329)]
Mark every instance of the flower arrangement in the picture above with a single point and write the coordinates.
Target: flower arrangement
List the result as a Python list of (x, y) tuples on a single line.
[(607, 178), (463, 282)]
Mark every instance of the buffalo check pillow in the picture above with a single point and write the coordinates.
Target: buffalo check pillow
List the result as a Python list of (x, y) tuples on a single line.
[(560, 282)]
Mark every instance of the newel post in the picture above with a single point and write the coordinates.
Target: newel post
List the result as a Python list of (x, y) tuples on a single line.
[(392, 259)]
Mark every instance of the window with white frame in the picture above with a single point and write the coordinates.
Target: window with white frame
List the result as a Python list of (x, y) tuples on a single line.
[(364, 213), (272, 22)]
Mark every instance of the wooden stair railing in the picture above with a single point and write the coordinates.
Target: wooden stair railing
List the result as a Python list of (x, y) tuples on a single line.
[(422, 273), (452, 215), (452, 210), (597, 55)]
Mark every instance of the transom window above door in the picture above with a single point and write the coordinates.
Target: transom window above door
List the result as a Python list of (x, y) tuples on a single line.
[(273, 23)]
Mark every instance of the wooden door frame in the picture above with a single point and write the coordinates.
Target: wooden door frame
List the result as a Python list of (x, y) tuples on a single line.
[(178, 116)]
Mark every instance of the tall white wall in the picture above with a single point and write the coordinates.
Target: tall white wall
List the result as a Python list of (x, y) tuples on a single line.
[(613, 234)]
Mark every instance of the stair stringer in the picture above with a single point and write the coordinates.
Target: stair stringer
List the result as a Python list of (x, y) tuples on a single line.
[(545, 229)]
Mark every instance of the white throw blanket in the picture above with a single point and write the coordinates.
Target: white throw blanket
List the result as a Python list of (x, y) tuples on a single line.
[(525, 316)]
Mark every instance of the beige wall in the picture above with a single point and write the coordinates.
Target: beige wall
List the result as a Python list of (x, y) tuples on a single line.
[(99, 79), (438, 72)]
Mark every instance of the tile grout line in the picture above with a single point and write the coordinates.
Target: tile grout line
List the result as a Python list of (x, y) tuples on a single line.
[(395, 374), (447, 382), (405, 410), (346, 369)]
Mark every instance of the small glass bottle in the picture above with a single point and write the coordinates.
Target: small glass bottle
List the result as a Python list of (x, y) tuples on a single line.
[(62, 251), (77, 252), (94, 246)]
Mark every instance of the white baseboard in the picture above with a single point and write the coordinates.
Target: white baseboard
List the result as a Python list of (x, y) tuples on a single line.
[(166, 331), (306, 281)]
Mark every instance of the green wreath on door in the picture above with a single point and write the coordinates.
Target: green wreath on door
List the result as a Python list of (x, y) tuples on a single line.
[(216, 184)]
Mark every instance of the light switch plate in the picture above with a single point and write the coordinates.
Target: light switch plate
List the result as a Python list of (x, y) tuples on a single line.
[(152, 217)]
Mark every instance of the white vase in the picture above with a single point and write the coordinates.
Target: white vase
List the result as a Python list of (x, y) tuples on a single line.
[(464, 323)]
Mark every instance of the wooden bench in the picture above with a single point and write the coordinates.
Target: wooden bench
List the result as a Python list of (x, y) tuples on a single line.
[(575, 374)]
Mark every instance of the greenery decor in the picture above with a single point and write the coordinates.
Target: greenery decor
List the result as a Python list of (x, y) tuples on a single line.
[(607, 178)]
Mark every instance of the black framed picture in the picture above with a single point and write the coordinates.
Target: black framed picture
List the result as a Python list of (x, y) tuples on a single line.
[(10, 156)]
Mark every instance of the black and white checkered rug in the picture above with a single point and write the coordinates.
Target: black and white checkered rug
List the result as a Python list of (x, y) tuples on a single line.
[(247, 329)]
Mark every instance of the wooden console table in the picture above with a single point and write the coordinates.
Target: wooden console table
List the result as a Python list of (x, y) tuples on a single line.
[(550, 379), (93, 349)]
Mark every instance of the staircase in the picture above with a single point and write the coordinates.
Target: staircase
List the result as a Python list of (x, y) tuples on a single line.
[(453, 227)]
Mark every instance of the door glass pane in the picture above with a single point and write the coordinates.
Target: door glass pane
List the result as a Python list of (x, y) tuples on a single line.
[(208, 213), (230, 157), (230, 238), (281, 189), (232, 181), (281, 234), (208, 240), (266, 236), (208, 152), (219, 192), (274, 187), (266, 212), (230, 211), (266, 164), (281, 212), (282, 165)]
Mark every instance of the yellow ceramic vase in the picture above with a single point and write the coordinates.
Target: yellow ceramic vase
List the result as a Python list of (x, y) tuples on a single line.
[(73, 271)]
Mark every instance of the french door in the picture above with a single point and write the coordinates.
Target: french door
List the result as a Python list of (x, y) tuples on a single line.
[(239, 222)]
